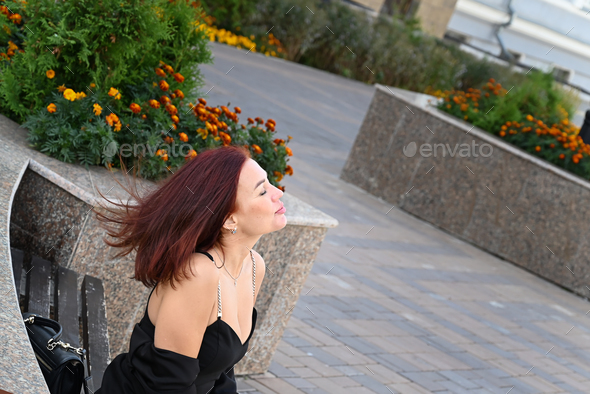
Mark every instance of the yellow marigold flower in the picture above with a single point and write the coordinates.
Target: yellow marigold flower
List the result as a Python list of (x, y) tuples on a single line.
[(154, 103), (97, 109), (117, 126), (69, 94), (51, 108), (80, 95), (50, 74), (113, 92), (61, 88)]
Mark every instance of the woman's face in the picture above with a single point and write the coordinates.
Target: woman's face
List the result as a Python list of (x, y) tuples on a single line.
[(258, 202)]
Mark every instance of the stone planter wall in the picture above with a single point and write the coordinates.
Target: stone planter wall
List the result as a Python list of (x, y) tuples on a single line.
[(508, 203)]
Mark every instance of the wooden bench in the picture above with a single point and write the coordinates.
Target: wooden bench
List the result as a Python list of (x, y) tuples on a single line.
[(51, 291)]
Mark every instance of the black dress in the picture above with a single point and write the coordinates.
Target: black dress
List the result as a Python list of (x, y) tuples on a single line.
[(150, 370)]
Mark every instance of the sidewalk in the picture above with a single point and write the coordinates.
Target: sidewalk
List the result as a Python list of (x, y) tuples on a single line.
[(394, 305)]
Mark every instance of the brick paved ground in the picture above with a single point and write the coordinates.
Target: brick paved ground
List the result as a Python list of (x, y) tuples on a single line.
[(394, 305)]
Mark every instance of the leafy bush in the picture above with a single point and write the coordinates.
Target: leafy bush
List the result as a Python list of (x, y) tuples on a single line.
[(533, 116), (157, 132), (229, 14), (113, 83), (108, 43)]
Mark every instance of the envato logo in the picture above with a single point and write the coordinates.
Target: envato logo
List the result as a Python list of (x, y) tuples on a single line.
[(463, 150), (128, 150)]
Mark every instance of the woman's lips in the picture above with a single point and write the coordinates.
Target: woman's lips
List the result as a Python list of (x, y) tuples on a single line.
[(282, 210)]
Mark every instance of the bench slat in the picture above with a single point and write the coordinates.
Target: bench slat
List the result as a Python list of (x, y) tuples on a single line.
[(38, 287), (95, 327), (66, 305), (17, 267)]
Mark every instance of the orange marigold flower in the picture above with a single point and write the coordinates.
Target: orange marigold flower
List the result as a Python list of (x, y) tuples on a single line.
[(50, 74), (113, 92), (203, 101), (154, 103), (179, 78), (163, 85), (16, 18), (179, 94), (135, 108), (243, 126), (226, 138), (175, 119), (502, 133), (144, 116), (92, 85), (529, 118), (191, 153), (552, 145), (97, 109), (183, 137), (118, 126), (168, 69), (289, 151), (256, 149), (538, 148), (278, 175), (171, 109), (112, 119), (238, 110), (562, 156), (164, 100), (51, 108), (250, 120), (80, 95), (61, 88), (289, 170), (160, 72)]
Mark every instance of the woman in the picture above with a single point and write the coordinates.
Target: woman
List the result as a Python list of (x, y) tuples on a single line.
[(194, 236)]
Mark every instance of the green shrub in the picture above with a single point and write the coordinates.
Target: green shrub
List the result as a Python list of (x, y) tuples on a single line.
[(229, 14), (107, 42)]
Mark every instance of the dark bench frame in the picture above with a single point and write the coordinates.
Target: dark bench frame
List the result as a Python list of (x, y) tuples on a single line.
[(86, 325)]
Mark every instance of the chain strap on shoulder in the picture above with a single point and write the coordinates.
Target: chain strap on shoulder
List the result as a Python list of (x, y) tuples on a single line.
[(253, 274)]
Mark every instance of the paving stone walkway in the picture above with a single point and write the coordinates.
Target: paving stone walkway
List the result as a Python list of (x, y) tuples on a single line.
[(393, 304)]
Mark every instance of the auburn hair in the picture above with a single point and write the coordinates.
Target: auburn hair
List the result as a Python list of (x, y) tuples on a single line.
[(185, 212)]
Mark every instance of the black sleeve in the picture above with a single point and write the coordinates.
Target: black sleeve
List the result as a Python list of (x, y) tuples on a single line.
[(226, 384), (159, 370)]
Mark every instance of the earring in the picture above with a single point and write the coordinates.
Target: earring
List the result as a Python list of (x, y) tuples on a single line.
[(234, 230)]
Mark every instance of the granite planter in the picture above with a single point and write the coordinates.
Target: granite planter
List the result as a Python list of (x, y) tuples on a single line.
[(503, 200)]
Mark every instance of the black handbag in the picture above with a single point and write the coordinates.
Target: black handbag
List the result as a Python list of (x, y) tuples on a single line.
[(64, 367)]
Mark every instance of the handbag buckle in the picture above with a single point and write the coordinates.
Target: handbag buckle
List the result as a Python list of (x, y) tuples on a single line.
[(78, 350)]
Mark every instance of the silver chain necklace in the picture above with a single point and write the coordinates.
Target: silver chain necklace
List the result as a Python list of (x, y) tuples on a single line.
[(223, 263)]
